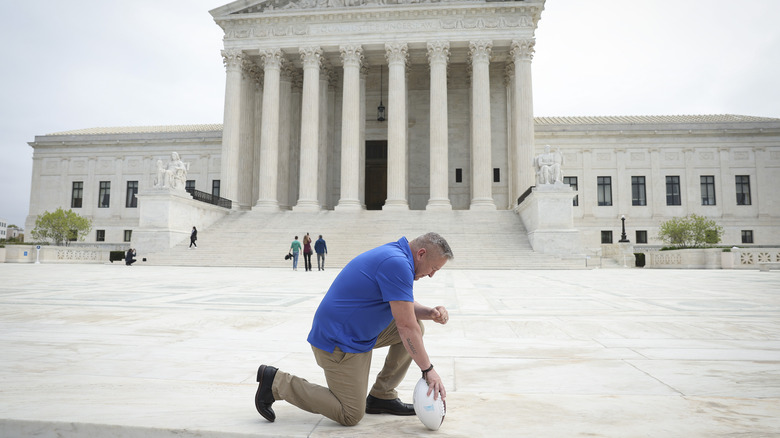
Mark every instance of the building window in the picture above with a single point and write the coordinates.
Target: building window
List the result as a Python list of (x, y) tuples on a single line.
[(638, 191), (101, 236), (747, 236), (707, 190), (496, 174), (606, 236), (673, 190), (189, 186), (132, 189), (73, 235), (641, 236), (77, 194), (104, 196), (605, 190), (128, 235), (215, 188), (572, 182), (458, 175), (743, 189)]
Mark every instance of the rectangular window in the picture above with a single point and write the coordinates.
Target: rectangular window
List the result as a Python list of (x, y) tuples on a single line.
[(638, 191), (641, 236), (496, 174), (605, 190), (189, 186), (743, 189), (215, 188), (606, 236), (132, 189), (73, 235), (707, 190), (747, 236), (104, 196), (77, 194), (101, 236), (458, 175), (673, 190), (128, 235), (572, 182)]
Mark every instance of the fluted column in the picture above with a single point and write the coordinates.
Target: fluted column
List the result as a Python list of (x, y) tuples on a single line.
[(352, 57), (310, 126), (396, 54), (246, 148), (269, 137), (438, 55), (522, 51), (285, 129), (481, 164), (231, 130)]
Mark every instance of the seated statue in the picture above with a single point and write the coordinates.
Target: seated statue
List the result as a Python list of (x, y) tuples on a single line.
[(173, 175), (548, 167)]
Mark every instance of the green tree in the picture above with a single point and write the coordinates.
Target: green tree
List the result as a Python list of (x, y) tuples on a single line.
[(691, 231), (61, 226)]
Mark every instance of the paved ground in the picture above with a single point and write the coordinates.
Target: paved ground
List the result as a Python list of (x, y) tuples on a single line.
[(110, 350)]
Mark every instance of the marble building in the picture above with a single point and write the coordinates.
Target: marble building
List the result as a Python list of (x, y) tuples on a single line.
[(413, 105)]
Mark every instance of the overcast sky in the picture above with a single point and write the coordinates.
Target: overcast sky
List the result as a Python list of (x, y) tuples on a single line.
[(95, 63)]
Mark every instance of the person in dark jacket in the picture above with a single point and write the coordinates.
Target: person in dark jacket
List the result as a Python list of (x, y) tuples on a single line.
[(130, 257), (193, 237), (321, 249)]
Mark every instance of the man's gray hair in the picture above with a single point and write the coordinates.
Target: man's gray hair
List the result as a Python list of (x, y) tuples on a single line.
[(431, 240)]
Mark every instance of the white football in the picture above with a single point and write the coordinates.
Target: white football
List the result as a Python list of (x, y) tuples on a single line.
[(431, 412)]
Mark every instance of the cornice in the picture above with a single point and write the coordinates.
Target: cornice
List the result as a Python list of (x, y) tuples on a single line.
[(432, 17)]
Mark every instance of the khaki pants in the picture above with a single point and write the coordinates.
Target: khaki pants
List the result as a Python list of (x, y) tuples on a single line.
[(344, 400)]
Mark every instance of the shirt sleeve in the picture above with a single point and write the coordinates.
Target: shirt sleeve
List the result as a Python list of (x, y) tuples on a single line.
[(396, 280)]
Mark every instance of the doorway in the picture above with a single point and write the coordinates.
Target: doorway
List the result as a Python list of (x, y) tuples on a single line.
[(376, 174)]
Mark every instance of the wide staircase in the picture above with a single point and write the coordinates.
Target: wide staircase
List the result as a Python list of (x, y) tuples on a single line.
[(479, 240)]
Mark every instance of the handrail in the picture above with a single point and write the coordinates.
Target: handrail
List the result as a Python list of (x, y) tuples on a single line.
[(209, 198), (524, 195)]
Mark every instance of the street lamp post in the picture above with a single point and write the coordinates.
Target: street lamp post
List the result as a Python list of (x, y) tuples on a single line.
[(623, 237)]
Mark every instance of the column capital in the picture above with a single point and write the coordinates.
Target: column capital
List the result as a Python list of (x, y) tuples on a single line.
[(351, 55), (480, 50), (396, 53), (311, 56), (272, 59), (438, 52), (522, 50), (232, 59)]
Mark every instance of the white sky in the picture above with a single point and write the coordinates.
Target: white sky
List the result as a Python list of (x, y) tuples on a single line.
[(91, 63)]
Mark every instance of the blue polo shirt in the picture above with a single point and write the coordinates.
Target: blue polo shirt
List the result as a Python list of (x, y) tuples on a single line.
[(356, 308)]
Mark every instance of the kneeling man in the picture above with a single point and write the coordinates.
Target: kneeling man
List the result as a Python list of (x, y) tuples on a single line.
[(369, 305)]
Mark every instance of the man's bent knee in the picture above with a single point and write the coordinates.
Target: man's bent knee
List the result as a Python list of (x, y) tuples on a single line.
[(352, 417)]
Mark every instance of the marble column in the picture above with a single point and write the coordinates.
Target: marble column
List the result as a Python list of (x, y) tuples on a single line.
[(231, 130), (481, 143), (285, 129), (522, 51), (352, 57), (259, 83), (397, 55), (362, 138), (310, 127), (269, 137), (246, 148), (438, 56)]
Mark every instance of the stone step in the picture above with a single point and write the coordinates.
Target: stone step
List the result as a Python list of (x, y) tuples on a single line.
[(479, 240)]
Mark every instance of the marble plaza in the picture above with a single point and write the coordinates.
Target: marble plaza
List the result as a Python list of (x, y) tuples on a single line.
[(151, 351)]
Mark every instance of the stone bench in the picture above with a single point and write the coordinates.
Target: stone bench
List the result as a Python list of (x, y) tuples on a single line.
[(767, 266)]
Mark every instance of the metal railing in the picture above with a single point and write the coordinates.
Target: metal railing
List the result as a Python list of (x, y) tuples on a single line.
[(524, 195), (210, 199)]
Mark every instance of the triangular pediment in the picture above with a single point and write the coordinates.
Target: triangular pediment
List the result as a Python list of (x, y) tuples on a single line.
[(256, 7)]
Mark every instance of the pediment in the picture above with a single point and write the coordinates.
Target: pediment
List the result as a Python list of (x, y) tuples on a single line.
[(240, 7)]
